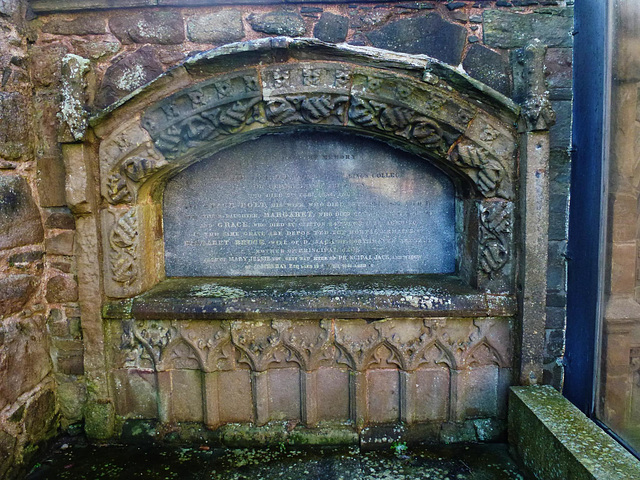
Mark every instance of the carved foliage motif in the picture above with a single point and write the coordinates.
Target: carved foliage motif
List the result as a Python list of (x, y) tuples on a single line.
[(495, 235), (488, 173), (134, 170), (123, 244), (407, 344), (305, 109), (399, 120), (207, 126), (145, 343)]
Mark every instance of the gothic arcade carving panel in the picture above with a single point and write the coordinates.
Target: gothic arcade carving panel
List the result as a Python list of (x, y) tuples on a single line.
[(411, 370)]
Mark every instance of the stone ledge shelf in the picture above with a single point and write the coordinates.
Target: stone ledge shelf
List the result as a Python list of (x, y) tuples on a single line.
[(375, 296), (556, 441)]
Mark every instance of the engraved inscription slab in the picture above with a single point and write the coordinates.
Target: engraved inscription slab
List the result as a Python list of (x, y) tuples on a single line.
[(309, 204)]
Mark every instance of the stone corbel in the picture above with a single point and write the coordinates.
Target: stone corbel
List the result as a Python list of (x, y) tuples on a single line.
[(537, 113)]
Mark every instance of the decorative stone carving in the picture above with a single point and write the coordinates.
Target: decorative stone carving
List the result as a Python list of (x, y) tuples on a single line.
[(494, 236), (260, 345), (487, 172), (417, 343), (310, 342), (406, 343), (537, 113), (123, 244), (207, 126), (305, 109), (399, 120), (356, 342), (122, 184), (211, 346), (145, 342)]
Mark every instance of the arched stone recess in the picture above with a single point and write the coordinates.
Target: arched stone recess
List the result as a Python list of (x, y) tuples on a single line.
[(237, 93)]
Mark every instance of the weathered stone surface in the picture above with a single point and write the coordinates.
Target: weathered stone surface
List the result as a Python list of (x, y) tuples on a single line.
[(46, 108), (489, 67), (161, 27), (46, 64), (367, 18), (25, 361), (9, 7), (556, 318), (556, 441), (224, 26), (513, 30), (20, 222), (560, 132), (71, 394), (23, 259), (455, 5), (558, 67), (15, 292), (62, 288), (331, 28), (127, 74), (51, 175), (39, 417), (278, 23), (61, 220), (554, 343), (57, 323), (95, 49), (60, 244), (73, 5), (359, 230), (81, 25), (72, 108), (7, 446), (557, 265), (430, 35), (13, 133), (71, 364), (76, 177)]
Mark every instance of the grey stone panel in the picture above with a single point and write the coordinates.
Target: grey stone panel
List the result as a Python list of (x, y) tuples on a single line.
[(312, 205), (430, 35), (514, 30), (278, 23), (331, 28), (161, 27), (224, 26), (560, 132), (489, 67)]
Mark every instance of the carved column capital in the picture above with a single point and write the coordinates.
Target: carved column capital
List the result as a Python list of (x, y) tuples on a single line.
[(537, 113)]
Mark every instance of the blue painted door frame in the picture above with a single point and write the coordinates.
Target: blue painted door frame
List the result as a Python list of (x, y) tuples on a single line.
[(585, 212)]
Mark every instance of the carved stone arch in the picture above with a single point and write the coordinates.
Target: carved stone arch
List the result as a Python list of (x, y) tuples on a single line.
[(483, 354), (446, 357), (386, 353), (180, 354), (237, 93)]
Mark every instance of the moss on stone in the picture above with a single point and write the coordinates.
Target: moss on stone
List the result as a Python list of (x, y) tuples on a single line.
[(557, 441)]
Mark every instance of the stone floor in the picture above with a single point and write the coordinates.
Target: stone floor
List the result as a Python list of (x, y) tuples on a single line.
[(477, 462)]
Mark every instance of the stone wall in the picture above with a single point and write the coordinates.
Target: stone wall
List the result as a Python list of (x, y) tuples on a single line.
[(73, 59), (28, 412)]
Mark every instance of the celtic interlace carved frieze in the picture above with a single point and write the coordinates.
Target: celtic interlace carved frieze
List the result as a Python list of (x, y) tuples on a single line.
[(123, 244)]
